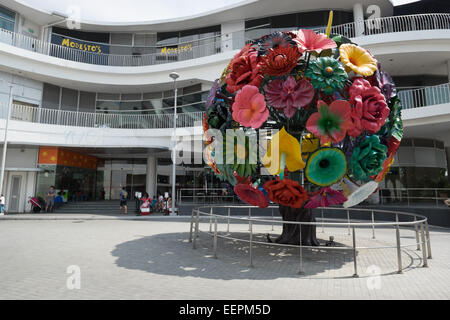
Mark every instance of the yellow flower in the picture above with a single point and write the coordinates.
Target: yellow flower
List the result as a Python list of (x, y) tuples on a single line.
[(357, 59), (285, 144), (309, 144)]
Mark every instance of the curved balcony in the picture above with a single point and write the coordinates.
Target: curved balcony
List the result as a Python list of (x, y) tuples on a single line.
[(142, 119), (163, 118), (221, 44)]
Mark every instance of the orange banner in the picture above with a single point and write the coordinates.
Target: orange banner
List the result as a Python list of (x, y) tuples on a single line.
[(63, 157)]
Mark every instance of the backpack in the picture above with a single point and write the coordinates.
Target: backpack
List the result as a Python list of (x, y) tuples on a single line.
[(124, 194)]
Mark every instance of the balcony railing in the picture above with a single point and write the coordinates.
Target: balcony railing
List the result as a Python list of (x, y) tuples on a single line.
[(118, 120), (426, 96), (147, 119), (368, 27)]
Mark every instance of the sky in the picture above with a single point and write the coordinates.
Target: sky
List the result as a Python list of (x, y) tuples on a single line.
[(137, 10)]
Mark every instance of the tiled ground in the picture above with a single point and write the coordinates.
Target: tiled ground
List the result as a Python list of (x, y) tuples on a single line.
[(152, 258)]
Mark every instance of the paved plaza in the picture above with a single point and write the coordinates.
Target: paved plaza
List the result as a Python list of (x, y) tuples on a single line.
[(152, 259)]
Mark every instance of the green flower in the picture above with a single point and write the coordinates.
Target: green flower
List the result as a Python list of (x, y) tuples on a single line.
[(367, 159), (326, 166), (327, 74)]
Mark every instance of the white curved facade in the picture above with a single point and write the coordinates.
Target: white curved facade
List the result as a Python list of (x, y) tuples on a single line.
[(66, 98)]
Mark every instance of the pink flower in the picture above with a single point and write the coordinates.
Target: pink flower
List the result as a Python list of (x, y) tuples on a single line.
[(249, 107), (308, 40), (359, 85), (370, 108), (331, 122), (289, 95), (325, 198)]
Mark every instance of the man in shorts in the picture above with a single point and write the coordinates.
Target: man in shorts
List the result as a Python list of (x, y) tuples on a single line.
[(123, 200)]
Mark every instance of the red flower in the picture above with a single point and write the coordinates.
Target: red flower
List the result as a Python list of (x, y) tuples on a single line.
[(290, 94), (251, 195), (308, 40), (208, 138), (373, 109), (286, 192), (244, 69), (280, 61), (325, 197)]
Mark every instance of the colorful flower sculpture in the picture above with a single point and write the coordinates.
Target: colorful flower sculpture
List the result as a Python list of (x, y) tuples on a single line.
[(280, 60), (244, 69), (326, 166), (249, 108), (286, 192), (325, 197), (308, 40), (251, 194), (333, 114), (357, 59), (331, 122), (367, 158), (284, 151), (326, 74), (289, 95)]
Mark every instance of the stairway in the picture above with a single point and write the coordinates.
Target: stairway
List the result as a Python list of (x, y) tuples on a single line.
[(95, 207)]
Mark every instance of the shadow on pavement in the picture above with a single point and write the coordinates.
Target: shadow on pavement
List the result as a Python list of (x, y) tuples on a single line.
[(172, 254)]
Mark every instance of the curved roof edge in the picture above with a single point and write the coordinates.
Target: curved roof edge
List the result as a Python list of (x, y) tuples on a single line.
[(245, 9)]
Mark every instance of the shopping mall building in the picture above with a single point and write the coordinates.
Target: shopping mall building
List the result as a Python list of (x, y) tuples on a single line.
[(92, 107)]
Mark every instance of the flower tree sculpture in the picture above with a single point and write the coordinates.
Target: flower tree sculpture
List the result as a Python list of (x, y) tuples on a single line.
[(335, 117)]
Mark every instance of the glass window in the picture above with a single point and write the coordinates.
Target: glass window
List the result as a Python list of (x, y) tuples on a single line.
[(7, 19), (87, 102), (108, 96), (50, 96), (69, 99), (131, 96)]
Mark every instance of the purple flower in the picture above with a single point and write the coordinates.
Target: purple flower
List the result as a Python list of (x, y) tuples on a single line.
[(325, 198), (289, 95), (212, 94), (385, 83)]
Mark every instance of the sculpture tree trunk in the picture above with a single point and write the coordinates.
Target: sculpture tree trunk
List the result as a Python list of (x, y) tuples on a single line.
[(291, 232)]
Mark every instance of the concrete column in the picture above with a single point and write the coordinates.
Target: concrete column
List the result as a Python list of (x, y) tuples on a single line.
[(448, 70), (447, 154), (358, 17), (151, 182), (233, 35)]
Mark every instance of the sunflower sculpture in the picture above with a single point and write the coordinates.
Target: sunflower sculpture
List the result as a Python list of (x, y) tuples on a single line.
[(336, 116)]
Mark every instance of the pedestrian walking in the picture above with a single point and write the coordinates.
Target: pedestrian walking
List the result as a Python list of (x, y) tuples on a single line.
[(123, 201)]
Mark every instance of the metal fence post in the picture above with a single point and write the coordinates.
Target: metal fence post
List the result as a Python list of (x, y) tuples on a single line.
[(215, 238), (416, 229), (436, 195), (272, 219), (251, 244), (323, 227), (355, 265), (348, 221), (210, 219), (194, 241), (249, 215), (228, 227), (300, 271), (373, 225), (399, 250), (192, 223), (424, 250), (427, 231)]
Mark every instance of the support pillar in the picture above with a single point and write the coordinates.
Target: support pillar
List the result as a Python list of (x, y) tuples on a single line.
[(151, 180), (358, 17)]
